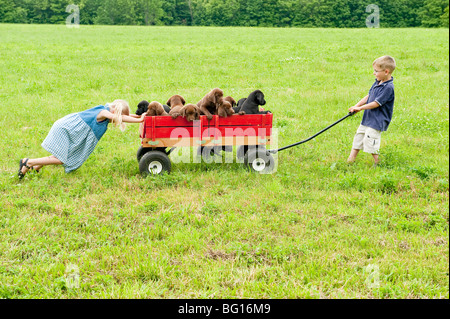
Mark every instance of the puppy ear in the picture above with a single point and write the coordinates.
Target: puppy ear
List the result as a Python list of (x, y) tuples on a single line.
[(182, 100), (160, 110), (183, 111), (221, 111), (263, 102), (197, 114), (168, 101)]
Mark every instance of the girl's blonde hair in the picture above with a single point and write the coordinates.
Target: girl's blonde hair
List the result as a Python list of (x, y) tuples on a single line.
[(120, 107)]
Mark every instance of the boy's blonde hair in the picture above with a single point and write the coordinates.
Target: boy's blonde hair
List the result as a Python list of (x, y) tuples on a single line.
[(120, 108), (385, 62)]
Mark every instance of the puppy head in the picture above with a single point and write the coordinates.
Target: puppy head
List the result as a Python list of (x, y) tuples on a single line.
[(155, 109), (225, 109), (260, 97), (190, 112), (230, 100), (175, 100), (142, 107), (216, 95)]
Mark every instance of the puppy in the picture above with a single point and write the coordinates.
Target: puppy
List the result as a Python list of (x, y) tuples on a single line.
[(142, 107), (189, 111), (251, 104), (175, 100), (230, 100), (210, 102), (237, 108), (156, 109), (166, 108), (225, 109)]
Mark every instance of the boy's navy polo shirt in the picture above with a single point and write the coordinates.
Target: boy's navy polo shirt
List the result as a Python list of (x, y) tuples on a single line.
[(380, 117)]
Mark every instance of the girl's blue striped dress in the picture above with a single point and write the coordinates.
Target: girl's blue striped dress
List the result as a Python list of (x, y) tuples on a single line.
[(73, 138)]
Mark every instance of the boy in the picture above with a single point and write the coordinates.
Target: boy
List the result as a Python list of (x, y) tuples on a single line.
[(378, 106)]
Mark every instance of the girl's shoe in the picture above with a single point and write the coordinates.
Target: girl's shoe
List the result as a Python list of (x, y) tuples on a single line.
[(23, 163)]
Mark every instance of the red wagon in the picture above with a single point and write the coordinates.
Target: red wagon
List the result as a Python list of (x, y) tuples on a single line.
[(160, 135)]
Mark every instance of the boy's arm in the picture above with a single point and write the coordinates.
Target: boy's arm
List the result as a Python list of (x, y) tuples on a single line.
[(371, 105), (363, 101), (361, 105)]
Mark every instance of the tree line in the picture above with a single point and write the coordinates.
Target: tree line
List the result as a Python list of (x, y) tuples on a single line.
[(264, 13)]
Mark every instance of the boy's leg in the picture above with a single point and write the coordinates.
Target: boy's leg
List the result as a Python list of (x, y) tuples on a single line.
[(375, 159), (352, 156), (372, 142), (357, 143)]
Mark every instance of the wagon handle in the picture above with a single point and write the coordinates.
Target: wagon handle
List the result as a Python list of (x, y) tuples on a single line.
[(310, 138)]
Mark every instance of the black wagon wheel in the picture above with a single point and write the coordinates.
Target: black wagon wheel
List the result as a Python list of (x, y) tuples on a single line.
[(206, 153), (243, 149), (142, 150), (154, 163), (259, 161)]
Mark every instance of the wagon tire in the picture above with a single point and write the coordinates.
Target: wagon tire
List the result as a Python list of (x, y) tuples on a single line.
[(243, 149), (206, 154), (259, 161), (154, 163), (142, 150)]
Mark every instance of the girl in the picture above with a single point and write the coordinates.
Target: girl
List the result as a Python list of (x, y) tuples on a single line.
[(73, 138)]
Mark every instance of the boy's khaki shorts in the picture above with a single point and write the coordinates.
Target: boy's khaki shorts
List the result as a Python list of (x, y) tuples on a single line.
[(367, 139)]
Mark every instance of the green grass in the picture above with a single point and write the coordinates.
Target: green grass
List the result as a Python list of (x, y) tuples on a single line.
[(215, 230)]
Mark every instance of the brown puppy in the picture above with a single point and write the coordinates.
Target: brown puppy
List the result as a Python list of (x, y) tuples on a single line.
[(156, 109), (230, 100), (225, 109), (190, 112), (175, 100), (233, 103), (210, 102), (176, 111)]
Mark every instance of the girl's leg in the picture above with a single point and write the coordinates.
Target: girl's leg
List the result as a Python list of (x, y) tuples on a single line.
[(37, 163)]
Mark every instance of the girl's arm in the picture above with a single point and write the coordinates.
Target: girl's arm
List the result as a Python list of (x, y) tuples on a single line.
[(130, 119), (125, 118)]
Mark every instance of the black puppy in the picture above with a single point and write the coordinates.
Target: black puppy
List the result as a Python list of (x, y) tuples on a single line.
[(251, 104), (142, 107), (238, 106)]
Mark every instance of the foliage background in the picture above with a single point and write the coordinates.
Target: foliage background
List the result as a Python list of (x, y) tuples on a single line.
[(266, 13)]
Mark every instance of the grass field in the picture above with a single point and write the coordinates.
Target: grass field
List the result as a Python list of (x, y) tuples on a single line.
[(317, 228)]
